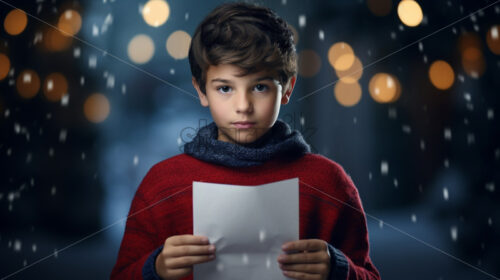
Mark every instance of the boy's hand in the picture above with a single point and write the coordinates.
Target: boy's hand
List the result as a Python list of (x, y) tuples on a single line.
[(306, 259), (180, 253)]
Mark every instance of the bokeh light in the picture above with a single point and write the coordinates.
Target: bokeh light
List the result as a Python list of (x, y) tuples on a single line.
[(341, 56), (441, 74), (156, 12), (469, 40), (309, 63), (55, 86), (69, 22), (28, 84), (473, 62), (178, 44), (384, 88), (353, 74), (493, 39), (410, 13), (96, 108), (379, 7), (15, 22), (141, 49), (347, 94), (55, 41), (4, 66)]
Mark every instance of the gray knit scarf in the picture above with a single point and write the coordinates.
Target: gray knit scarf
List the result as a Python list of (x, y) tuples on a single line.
[(279, 141)]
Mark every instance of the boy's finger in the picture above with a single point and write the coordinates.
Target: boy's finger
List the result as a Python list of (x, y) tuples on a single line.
[(301, 275), (320, 268), (190, 250), (305, 245), (186, 239), (188, 261), (308, 257)]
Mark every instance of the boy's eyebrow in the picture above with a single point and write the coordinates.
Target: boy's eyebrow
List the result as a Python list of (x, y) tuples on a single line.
[(229, 81)]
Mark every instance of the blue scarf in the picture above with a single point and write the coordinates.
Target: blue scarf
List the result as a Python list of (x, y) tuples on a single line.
[(278, 142)]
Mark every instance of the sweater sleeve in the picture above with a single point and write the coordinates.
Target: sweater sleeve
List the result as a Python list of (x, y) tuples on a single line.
[(350, 240), (139, 239)]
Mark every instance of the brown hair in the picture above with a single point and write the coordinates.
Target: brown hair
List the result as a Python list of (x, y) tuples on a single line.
[(248, 36)]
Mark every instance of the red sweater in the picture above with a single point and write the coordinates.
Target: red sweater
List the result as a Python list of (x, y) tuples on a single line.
[(329, 208)]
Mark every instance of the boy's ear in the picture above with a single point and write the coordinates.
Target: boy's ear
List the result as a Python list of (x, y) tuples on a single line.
[(201, 95), (287, 91)]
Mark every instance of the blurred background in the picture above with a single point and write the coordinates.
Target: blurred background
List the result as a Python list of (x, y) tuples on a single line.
[(403, 94)]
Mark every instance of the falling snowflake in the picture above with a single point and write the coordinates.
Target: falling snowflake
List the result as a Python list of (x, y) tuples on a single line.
[(384, 167), (445, 193), (454, 233)]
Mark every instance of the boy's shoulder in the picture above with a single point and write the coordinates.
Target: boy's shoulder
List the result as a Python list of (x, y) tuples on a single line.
[(328, 170), (176, 162), (322, 162)]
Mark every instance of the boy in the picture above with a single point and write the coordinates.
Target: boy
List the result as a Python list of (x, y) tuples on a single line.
[(244, 66)]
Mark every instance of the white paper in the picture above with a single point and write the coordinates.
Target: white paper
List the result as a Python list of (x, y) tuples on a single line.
[(247, 225)]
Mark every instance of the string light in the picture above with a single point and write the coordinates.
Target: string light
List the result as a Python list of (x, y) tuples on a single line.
[(28, 84), (141, 49), (309, 63), (156, 12), (4, 66), (178, 44), (15, 22), (353, 74), (55, 87), (384, 88), (341, 56), (69, 23), (410, 13), (347, 94), (441, 74), (96, 108)]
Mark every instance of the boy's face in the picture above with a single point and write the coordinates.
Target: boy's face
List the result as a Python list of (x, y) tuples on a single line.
[(253, 99)]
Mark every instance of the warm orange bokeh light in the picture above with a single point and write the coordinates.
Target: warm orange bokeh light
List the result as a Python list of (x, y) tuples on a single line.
[(156, 12), (4, 66), (69, 23), (141, 49), (410, 13), (309, 63), (441, 74), (473, 62), (384, 88), (96, 108), (353, 74), (55, 41), (15, 22), (379, 7), (55, 86), (28, 84), (347, 94), (178, 44), (493, 39), (469, 40), (341, 56)]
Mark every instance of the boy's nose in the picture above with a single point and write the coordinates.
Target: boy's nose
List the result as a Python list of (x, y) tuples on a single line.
[(243, 103)]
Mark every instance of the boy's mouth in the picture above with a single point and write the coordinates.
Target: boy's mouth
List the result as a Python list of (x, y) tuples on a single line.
[(243, 124)]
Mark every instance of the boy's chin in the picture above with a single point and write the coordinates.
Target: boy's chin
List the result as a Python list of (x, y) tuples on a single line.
[(242, 137)]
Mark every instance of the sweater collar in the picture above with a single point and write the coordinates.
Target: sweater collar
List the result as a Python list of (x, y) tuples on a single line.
[(279, 141)]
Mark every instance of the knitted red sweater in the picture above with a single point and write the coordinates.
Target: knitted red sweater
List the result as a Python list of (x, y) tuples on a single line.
[(329, 203)]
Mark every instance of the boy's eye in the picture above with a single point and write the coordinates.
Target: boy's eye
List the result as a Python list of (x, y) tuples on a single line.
[(261, 88), (224, 89)]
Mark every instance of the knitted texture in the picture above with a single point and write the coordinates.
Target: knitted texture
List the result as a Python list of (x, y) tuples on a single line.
[(279, 141), (329, 209)]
